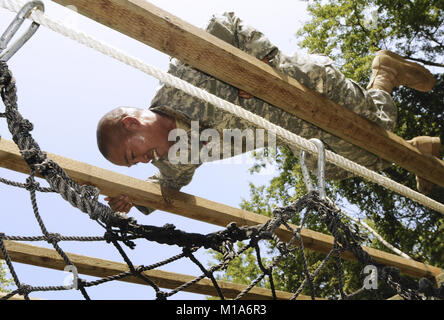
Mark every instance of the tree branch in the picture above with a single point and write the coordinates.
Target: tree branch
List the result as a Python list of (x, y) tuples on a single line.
[(429, 63)]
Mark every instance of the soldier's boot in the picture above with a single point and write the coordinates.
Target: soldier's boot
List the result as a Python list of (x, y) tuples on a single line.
[(429, 145), (390, 70)]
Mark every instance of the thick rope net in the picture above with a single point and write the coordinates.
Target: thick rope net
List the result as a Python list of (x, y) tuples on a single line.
[(122, 230)]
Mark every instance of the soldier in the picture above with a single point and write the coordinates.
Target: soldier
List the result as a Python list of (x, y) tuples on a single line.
[(127, 136)]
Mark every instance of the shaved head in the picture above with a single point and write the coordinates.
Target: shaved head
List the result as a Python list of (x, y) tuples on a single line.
[(127, 136), (110, 129)]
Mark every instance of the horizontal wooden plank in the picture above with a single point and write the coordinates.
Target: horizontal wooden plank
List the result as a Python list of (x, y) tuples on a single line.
[(396, 297), (16, 297), (48, 258), (148, 194), (163, 31)]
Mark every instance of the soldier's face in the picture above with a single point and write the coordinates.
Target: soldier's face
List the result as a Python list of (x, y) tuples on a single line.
[(133, 149)]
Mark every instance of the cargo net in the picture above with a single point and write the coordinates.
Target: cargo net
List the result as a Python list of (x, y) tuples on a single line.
[(122, 230)]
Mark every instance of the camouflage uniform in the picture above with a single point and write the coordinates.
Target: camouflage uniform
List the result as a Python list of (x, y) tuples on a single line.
[(313, 71)]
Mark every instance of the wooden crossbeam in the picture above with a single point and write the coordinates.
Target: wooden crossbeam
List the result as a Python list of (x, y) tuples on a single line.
[(16, 297), (49, 258), (159, 29), (396, 297), (149, 194)]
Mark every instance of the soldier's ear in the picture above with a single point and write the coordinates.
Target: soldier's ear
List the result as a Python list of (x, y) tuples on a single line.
[(131, 123)]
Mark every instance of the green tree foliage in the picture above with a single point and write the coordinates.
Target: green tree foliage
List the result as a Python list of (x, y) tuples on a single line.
[(4, 280), (350, 32)]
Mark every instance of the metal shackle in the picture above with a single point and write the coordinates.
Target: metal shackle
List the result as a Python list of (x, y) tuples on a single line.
[(320, 172), (12, 29)]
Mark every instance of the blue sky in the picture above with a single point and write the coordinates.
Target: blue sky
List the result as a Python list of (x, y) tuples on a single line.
[(64, 88)]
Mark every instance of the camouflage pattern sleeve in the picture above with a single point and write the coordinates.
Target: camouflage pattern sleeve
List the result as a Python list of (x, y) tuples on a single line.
[(233, 30), (173, 177), (146, 210), (176, 175)]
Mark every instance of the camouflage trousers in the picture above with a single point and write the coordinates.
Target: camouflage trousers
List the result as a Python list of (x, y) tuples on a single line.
[(319, 74)]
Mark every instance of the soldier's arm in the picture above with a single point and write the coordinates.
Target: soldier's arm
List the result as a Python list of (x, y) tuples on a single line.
[(231, 29), (173, 177)]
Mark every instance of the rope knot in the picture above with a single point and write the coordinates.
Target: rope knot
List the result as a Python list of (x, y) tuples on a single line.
[(31, 185), (53, 238), (187, 251), (426, 287), (139, 269), (43, 166), (282, 248), (81, 283), (160, 295), (33, 155), (25, 126), (24, 290), (110, 236), (254, 240), (89, 192), (268, 271)]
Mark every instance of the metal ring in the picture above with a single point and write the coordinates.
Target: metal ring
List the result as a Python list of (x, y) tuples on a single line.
[(24, 12), (320, 172)]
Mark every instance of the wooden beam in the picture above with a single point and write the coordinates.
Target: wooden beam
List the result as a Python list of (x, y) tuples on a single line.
[(16, 297), (396, 297), (149, 194), (144, 22), (49, 258)]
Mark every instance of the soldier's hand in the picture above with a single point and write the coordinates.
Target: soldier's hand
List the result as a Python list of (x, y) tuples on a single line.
[(120, 203)]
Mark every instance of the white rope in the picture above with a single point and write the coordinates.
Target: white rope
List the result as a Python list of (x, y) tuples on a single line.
[(290, 138)]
